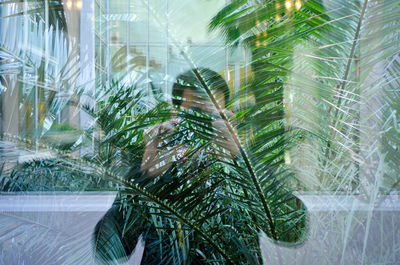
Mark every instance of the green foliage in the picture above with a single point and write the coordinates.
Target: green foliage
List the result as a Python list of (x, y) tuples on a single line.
[(312, 84)]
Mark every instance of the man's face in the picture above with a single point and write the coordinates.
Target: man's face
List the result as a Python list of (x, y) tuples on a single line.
[(193, 99)]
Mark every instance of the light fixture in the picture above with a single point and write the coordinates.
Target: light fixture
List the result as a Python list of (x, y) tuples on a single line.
[(288, 5), (298, 4), (78, 4), (258, 28), (69, 4)]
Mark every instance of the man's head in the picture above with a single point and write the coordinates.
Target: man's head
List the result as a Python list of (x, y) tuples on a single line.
[(188, 92)]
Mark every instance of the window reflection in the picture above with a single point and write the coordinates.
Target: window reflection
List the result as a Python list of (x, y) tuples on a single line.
[(89, 103)]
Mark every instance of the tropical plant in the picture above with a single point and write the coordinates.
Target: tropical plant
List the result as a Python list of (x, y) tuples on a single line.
[(314, 66)]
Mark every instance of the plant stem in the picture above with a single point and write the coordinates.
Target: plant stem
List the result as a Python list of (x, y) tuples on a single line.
[(242, 152), (351, 55), (346, 74)]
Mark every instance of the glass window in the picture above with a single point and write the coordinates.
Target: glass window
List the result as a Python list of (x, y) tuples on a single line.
[(198, 132)]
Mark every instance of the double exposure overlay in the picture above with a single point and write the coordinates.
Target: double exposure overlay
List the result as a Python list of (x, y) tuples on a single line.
[(200, 132)]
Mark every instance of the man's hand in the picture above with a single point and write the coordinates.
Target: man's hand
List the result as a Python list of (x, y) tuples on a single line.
[(223, 137), (156, 159)]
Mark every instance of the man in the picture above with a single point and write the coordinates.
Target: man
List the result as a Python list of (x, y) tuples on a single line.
[(188, 95), (170, 149)]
